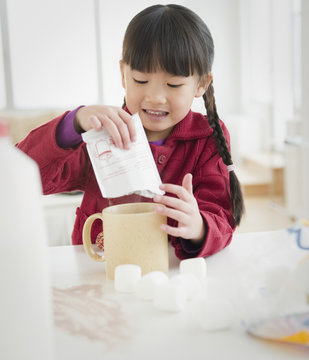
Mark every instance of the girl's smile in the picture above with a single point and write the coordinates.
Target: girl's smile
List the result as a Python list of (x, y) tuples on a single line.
[(161, 99), (156, 115)]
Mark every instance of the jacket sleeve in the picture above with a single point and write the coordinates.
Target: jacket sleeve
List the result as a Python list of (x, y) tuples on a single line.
[(212, 191), (61, 170)]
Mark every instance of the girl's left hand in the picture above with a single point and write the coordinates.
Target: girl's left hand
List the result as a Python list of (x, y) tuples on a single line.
[(184, 209)]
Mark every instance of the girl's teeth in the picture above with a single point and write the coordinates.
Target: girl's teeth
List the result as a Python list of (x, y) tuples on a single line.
[(156, 112)]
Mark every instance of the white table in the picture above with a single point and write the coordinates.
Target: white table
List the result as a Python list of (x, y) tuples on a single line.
[(93, 321)]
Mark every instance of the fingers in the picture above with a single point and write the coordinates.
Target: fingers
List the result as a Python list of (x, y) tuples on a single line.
[(171, 213), (184, 193), (179, 216), (172, 202), (183, 209), (129, 122), (95, 122), (120, 126), (174, 231), (117, 122), (181, 192), (187, 183), (117, 129)]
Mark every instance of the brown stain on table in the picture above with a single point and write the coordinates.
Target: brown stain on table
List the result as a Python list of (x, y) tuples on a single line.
[(85, 311)]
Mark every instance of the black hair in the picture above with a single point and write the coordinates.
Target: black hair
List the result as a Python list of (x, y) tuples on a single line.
[(174, 39)]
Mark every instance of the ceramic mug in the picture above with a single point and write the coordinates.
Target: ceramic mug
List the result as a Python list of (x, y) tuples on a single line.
[(132, 235)]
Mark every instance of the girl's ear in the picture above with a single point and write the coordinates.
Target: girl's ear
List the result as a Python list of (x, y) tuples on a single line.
[(122, 71), (203, 85)]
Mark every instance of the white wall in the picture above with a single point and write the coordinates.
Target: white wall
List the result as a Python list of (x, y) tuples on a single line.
[(305, 111), (268, 63), (297, 148), (2, 88), (282, 57), (53, 52), (222, 19)]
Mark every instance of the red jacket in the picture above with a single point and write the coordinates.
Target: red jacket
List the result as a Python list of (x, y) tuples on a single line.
[(190, 148)]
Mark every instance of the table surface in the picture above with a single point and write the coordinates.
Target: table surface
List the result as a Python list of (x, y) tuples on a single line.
[(92, 320)]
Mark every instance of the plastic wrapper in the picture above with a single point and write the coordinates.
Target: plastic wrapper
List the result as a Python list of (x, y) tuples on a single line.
[(267, 276), (276, 307), (293, 328)]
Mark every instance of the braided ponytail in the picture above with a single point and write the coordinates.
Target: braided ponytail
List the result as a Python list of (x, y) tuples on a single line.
[(238, 207)]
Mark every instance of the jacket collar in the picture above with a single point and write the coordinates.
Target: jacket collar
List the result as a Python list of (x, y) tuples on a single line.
[(192, 126)]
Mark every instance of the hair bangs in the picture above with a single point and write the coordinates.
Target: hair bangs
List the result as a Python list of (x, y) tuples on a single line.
[(163, 40)]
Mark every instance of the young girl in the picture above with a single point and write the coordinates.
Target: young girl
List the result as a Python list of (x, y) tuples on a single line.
[(166, 62)]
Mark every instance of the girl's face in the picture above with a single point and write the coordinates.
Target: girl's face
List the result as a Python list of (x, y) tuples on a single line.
[(162, 100)]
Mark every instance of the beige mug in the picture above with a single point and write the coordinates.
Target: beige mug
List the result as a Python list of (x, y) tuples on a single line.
[(132, 235)]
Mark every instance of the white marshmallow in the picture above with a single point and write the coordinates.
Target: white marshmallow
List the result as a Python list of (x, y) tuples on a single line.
[(126, 277), (196, 266), (190, 283), (215, 314), (146, 286), (169, 297)]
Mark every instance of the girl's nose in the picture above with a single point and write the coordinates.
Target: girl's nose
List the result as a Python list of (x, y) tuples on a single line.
[(155, 96)]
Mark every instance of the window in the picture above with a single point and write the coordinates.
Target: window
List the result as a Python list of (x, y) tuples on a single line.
[(269, 53), (52, 53)]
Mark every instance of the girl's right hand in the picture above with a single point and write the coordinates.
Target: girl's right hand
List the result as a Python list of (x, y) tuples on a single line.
[(116, 121)]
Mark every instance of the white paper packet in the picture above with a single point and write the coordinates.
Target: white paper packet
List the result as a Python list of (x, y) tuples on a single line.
[(122, 172)]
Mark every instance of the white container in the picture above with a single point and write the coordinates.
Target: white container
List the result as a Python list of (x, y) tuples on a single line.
[(25, 301)]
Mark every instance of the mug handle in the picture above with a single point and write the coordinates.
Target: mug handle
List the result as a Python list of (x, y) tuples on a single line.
[(87, 237)]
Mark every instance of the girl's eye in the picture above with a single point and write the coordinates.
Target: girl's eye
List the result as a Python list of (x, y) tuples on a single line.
[(174, 85), (140, 81)]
